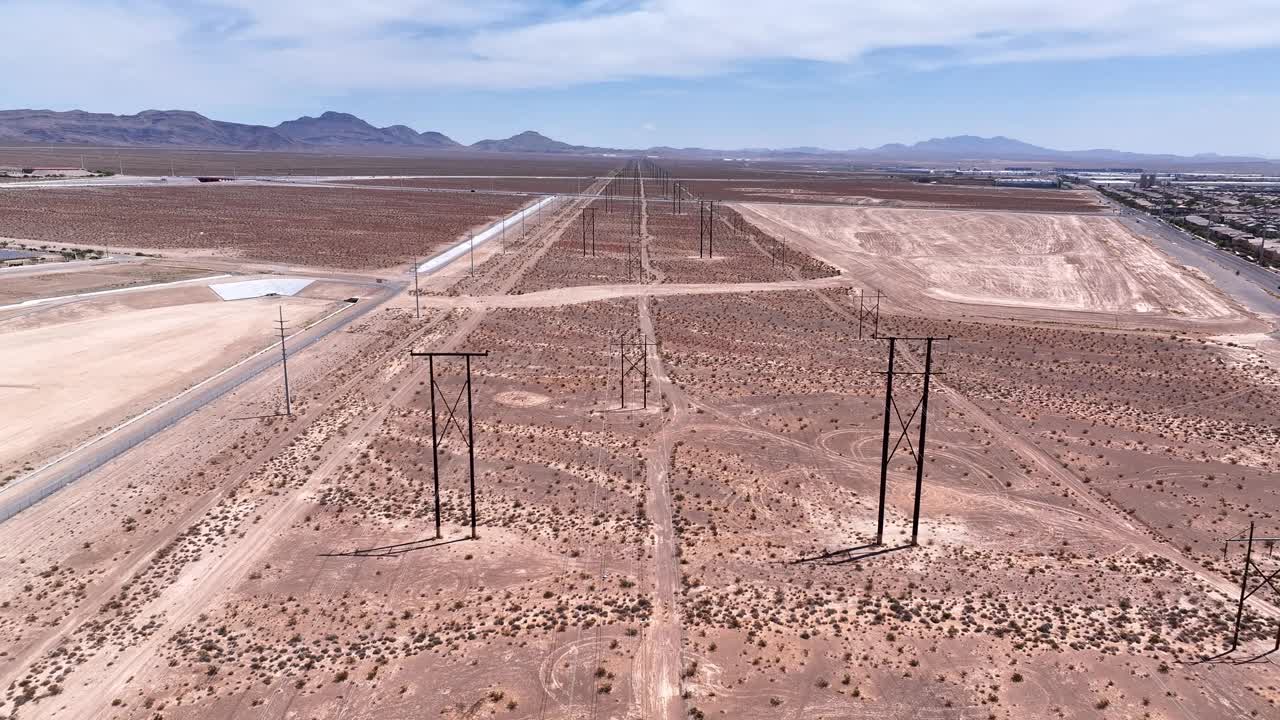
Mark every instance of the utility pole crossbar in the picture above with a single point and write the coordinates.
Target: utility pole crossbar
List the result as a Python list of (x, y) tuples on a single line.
[(916, 451), (452, 421), (630, 362), (868, 314), (284, 363), (1262, 578)]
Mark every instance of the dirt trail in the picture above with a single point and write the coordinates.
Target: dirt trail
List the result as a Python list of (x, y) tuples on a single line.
[(1038, 267), (660, 651), (1131, 533), (198, 585), (596, 293), (137, 560)]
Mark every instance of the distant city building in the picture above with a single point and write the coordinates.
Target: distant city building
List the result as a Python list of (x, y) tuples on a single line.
[(1029, 182), (17, 257), (1147, 180)]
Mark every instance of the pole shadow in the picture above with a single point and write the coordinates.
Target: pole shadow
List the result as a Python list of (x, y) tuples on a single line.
[(832, 554), (396, 549), (870, 554), (258, 417)]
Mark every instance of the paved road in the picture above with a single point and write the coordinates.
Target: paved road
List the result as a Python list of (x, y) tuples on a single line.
[(1254, 287), (30, 489)]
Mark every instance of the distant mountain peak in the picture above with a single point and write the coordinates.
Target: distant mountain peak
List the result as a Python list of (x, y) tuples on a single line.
[(339, 130), (527, 141)]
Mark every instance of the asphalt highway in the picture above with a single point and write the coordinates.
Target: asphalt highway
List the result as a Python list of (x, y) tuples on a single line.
[(96, 452), (1255, 287)]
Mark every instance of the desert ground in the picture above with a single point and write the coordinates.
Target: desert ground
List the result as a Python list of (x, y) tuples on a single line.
[(75, 368), (1018, 263), (304, 226), (896, 192), (677, 464)]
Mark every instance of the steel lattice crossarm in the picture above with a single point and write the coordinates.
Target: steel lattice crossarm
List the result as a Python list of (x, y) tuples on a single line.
[(452, 421), (916, 451), (1262, 579)]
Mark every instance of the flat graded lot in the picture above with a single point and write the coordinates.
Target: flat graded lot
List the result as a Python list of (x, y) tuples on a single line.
[(993, 262), (319, 227), (542, 185), (56, 282), (185, 162), (902, 193), (72, 370)]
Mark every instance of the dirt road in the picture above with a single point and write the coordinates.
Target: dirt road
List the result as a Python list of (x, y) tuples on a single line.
[(322, 434), (660, 664)]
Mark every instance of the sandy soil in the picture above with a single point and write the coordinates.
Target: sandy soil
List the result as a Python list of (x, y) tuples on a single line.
[(81, 367), (1059, 263), (57, 282), (693, 559), (315, 226), (888, 192)]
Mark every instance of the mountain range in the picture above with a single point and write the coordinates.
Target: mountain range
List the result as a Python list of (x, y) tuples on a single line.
[(336, 131)]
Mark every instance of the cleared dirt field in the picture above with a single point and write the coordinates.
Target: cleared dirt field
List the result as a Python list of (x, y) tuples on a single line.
[(902, 193), (144, 161), (1056, 578), (338, 227), (995, 262), (71, 370), (703, 557), (55, 282), (547, 185)]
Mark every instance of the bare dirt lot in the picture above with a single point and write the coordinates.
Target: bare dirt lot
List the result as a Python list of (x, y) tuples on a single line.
[(1015, 263), (704, 556), (72, 370), (542, 185), (53, 281), (145, 161), (902, 193), (337, 228)]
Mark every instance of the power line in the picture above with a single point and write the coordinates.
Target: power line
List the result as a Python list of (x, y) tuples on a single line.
[(284, 361), (637, 363), (916, 451), (437, 436), (1263, 578)]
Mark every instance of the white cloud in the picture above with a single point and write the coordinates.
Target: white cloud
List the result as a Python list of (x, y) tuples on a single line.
[(144, 52)]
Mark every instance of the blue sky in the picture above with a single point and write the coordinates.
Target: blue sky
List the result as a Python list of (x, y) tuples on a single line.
[(1142, 75)]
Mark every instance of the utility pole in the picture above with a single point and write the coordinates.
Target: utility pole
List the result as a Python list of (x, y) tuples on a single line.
[(916, 451), (588, 213), (706, 227), (884, 443), (637, 364), (417, 302), (711, 229), (868, 314), (471, 253), (1265, 579), (438, 436), (284, 362)]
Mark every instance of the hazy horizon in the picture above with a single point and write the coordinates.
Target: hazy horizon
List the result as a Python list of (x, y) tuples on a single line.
[(1185, 80)]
